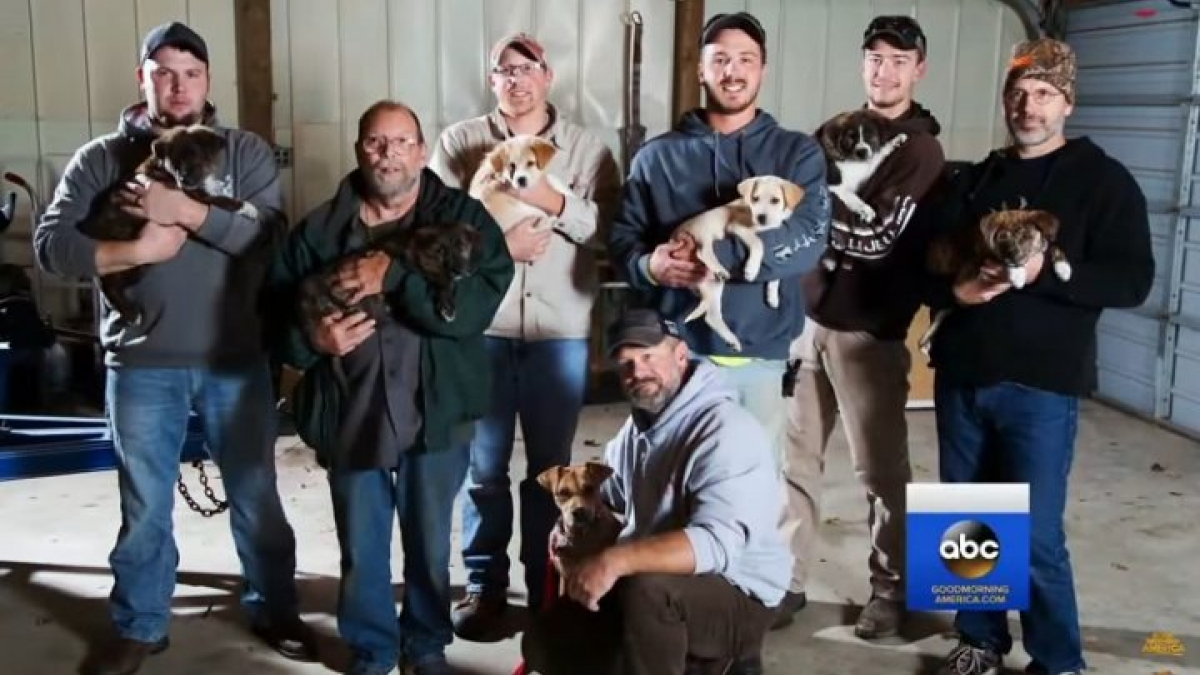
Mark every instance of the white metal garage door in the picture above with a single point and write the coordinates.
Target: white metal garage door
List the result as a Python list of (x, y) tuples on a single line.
[(1137, 99)]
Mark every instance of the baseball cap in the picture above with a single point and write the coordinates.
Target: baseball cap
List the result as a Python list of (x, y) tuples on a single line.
[(176, 35), (524, 43), (641, 328), (901, 31), (743, 21)]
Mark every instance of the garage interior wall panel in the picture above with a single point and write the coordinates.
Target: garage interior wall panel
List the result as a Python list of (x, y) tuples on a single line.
[(1136, 71), (69, 69)]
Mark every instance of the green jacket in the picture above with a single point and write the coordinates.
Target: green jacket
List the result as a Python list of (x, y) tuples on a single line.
[(455, 376)]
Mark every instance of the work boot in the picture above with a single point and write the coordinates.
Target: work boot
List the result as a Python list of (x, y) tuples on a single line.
[(123, 657), (879, 619), (291, 637), (786, 612), (967, 659), (479, 617)]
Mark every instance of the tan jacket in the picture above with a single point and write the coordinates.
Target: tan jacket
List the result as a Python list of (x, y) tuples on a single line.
[(553, 296)]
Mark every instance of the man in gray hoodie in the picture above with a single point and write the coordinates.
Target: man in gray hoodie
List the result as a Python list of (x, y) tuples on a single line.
[(700, 565), (200, 349)]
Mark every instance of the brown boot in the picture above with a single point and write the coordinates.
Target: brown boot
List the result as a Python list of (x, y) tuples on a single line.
[(123, 657), (880, 619)]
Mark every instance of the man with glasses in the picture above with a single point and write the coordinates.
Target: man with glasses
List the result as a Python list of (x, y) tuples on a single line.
[(851, 360), (410, 387), (1012, 363), (538, 342)]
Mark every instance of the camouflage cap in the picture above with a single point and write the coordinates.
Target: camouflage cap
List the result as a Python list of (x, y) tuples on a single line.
[(1046, 59)]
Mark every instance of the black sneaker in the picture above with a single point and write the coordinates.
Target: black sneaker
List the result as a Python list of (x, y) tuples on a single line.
[(785, 613), (968, 659), (479, 617), (291, 637)]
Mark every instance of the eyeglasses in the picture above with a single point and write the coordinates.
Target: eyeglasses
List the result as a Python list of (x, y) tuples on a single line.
[(1038, 96), (518, 69), (379, 145)]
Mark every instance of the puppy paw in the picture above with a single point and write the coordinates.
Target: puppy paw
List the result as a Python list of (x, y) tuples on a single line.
[(901, 138), (829, 264), (865, 212), (1016, 277), (1063, 269)]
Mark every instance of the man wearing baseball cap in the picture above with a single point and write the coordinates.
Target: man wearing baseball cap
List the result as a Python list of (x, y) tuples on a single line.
[(538, 340), (851, 361), (1013, 363), (699, 567), (200, 349)]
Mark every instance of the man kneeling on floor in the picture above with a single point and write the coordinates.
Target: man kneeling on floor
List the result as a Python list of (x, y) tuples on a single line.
[(693, 582)]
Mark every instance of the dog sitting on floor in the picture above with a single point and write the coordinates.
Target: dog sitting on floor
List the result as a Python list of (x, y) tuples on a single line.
[(514, 164), (765, 202), (585, 525), (1007, 238), (856, 144), (185, 158)]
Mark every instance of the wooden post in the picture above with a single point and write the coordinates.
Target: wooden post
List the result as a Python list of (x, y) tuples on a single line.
[(685, 88), (256, 93)]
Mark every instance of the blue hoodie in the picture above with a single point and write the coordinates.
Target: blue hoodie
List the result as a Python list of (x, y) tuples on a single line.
[(692, 169), (705, 466)]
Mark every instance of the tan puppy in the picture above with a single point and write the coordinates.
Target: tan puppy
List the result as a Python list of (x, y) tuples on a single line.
[(514, 164), (765, 202), (585, 525)]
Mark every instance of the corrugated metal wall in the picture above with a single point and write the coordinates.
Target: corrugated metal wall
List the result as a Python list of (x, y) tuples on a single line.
[(1137, 88)]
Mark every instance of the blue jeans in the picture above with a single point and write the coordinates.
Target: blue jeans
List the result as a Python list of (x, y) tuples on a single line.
[(419, 492), (148, 412), (543, 383), (1012, 433), (759, 388)]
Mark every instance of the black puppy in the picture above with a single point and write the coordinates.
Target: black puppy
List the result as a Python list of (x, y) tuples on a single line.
[(183, 158), (442, 252)]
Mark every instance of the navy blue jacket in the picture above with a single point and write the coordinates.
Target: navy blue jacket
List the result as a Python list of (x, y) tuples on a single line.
[(692, 169)]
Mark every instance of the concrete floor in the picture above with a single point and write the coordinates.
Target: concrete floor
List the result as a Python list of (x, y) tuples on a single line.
[(1131, 523)]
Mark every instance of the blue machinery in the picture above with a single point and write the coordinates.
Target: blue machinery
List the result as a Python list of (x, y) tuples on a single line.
[(34, 446)]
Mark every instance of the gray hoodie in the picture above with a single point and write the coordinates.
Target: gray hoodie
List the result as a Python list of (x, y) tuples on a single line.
[(201, 305), (705, 466)]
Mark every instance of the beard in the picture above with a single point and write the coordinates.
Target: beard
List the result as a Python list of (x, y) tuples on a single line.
[(713, 95), (400, 182), (168, 120), (1041, 132), (651, 395)]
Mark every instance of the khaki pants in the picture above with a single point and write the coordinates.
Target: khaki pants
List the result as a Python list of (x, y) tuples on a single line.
[(865, 380)]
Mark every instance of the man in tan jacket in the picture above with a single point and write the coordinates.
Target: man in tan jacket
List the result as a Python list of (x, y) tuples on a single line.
[(538, 340)]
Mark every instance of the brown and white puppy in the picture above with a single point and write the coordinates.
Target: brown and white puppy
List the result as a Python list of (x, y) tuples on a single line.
[(514, 164), (765, 202), (1008, 238), (585, 526), (186, 158)]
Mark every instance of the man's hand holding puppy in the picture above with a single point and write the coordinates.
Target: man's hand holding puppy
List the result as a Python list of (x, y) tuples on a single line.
[(526, 241), (157, 202), (362, 277), (992, 281), (674, 264), (594, 577)]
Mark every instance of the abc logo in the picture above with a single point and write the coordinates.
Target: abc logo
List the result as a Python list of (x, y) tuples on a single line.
[(969, 549)]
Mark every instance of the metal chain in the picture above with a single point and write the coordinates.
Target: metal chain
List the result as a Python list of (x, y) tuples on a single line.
[(208, 492)]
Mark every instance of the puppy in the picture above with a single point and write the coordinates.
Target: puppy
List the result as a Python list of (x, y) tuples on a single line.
[(185, 158), (514, 164), (1009, 238), (855, 143), (585, 525), (765, 202)]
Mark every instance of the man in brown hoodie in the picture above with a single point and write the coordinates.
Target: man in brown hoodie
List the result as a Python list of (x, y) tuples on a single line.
[(851, 357)]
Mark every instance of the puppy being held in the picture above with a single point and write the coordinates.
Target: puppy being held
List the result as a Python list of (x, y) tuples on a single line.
[(765, 203), (585, 526), (1007, 239), (184, 158), (517, 163), (856, 144)]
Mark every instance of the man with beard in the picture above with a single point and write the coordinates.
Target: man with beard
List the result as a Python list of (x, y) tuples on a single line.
[(1011, 364), (699, 566), (203, 351), (698, 166), (396, 441), (538, 340), (851, 359)]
